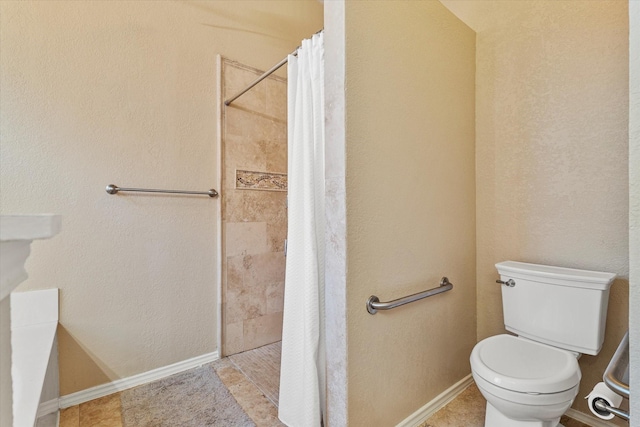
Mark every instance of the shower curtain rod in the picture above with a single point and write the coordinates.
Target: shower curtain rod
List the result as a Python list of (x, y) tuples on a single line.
[(265, 75), (261, 78)]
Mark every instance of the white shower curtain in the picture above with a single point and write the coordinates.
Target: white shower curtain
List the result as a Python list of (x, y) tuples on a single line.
[(302, 375)]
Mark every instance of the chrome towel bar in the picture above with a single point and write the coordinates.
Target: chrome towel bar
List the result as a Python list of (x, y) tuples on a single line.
[(374, 304), (114, 189)]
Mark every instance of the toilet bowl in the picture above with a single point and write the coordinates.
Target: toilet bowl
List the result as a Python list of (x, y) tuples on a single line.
[(524, 382), (557, 313)]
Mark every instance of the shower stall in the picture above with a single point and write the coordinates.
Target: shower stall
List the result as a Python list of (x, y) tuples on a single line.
[(253, 208), (274, 194)]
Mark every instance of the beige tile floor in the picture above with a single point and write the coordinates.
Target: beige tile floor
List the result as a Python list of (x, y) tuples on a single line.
[(467, 410), (252, 379), (101, 412)]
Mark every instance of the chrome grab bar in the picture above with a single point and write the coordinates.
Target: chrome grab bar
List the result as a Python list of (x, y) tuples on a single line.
[(617, 371), (374, 304), (114, 189)]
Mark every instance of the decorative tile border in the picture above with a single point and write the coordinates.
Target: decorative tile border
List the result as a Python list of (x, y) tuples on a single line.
[(269, 181)]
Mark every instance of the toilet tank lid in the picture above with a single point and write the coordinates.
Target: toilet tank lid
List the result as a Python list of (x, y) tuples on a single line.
[(586, 277)]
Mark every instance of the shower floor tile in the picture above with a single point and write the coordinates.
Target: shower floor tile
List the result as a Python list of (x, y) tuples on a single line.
[(250, 398), (262, 367)]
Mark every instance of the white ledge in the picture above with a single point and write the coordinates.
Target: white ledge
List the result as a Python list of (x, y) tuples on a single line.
[(16, 234), (29, 227)]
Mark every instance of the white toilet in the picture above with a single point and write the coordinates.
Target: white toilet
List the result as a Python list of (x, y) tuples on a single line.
[(558, 314)]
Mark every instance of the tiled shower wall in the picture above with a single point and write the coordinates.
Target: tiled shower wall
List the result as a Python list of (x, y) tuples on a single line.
[(254, 208)]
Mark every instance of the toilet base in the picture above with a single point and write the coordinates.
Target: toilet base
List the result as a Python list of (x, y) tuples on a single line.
[(494, 418)]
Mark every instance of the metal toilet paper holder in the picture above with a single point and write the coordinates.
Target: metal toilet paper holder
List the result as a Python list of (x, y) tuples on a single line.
[(601, 406), (616, 377)]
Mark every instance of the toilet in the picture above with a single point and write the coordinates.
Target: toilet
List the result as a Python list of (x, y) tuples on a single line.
[(557, 314)]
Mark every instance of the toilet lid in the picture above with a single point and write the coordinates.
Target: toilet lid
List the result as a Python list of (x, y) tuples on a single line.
[(524, 366)]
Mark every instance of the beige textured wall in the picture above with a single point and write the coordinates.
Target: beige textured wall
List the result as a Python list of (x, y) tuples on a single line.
[(254, 222), (410, 196), (552, 151), (634, 202), (95, 93)]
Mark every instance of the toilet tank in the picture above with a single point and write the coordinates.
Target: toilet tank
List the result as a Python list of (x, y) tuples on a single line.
[(562, 307)]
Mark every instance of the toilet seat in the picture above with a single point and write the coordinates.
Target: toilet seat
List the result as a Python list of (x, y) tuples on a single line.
[(524, 366), (516, 397)]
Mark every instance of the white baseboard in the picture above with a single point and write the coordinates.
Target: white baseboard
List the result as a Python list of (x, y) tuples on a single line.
[(48, 407), (439, 402), (587, 419), (135, 380)]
